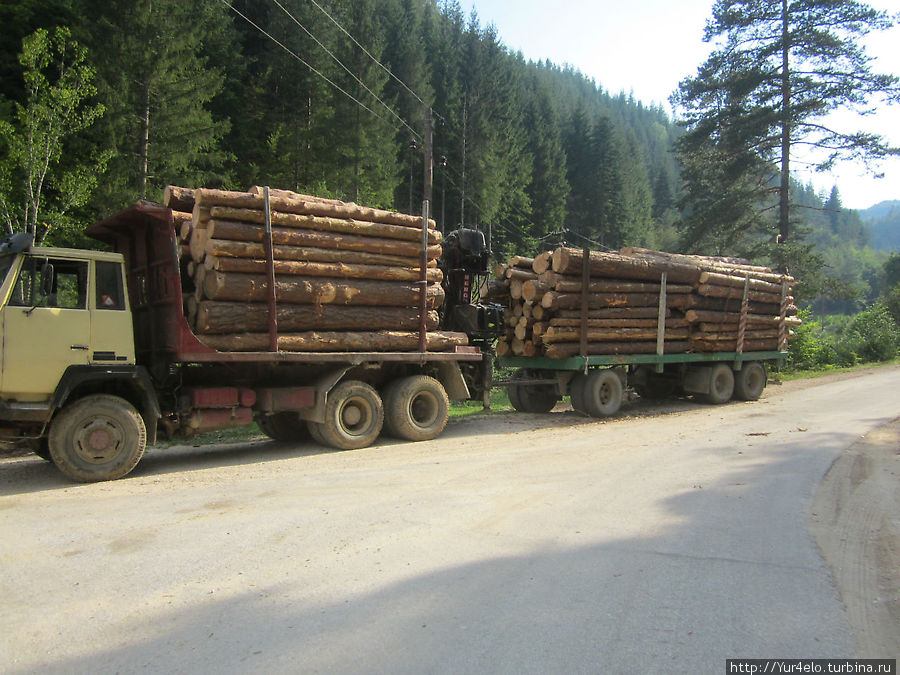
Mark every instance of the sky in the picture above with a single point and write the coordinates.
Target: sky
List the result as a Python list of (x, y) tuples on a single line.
[(646, 47)]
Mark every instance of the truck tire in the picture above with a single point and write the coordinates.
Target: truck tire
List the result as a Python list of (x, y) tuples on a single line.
[(283, 426), (602, 393), (532, 398), (416, 408), (750, 381), (99, 437), (354, 415), (721, 384)]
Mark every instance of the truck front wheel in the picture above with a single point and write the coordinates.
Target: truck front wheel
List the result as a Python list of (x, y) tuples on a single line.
[(354, 415), (99, 437)]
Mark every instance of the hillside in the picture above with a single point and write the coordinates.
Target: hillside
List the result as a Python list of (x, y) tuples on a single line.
[(883, 220)]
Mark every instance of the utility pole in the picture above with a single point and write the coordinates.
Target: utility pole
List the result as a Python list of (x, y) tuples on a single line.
[(429, 156)]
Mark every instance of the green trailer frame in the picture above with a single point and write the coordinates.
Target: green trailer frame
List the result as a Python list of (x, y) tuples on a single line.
[(578, 363)]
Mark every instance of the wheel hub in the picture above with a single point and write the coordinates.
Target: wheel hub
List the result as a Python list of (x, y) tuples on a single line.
[(98, 441)]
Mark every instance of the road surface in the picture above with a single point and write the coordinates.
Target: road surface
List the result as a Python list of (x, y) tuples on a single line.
[(666, 540)]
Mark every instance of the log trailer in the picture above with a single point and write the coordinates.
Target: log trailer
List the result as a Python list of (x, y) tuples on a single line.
[(97, 359)]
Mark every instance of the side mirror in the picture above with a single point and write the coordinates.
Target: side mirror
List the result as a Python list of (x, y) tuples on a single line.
[(47, 274)]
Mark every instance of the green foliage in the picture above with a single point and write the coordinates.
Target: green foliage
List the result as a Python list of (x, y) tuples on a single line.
[(869, 336), (778, 70), (40, 182)]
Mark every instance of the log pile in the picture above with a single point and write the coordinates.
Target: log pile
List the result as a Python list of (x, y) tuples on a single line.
[(346, 277), (563, 304)]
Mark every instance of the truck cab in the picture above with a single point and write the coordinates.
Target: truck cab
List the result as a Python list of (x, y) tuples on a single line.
[(65, 334)]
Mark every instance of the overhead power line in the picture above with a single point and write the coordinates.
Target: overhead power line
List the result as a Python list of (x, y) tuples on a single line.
[(350, 72), (292, 53), (366, 52)]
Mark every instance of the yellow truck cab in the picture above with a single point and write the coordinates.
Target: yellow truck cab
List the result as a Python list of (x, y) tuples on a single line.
[(67, 357)]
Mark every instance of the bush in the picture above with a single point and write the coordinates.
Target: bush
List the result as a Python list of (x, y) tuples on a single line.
[(874, 334)]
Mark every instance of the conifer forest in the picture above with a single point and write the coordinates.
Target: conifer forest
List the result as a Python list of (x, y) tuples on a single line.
[(105, 103)]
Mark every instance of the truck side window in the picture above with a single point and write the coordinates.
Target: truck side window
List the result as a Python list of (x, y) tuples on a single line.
[(110, 294), (69, 287)]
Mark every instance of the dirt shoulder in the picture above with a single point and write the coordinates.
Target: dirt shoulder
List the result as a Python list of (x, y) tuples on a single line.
[(855, 520)]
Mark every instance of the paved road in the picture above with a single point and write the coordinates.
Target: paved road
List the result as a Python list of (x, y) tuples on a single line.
[(512, 544)]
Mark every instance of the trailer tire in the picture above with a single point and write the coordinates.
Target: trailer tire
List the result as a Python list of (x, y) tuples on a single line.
[(532, 398), (576, 393), (416, 408), (283, 426), (603, 393), (750, 381), (354, 416), (99, 437), (721, 384)]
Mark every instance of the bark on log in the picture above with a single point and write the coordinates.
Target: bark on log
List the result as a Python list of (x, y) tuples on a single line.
[(697, 315), (518, 274), (729, 346), (613, 313), (564, 350), (332, 341), (303, 290), (499, 270), (738, 282), (690, 259), (286, 236), (554, 300), (319, 223), (556, 334), (246, 249), (241, 317), (290, 194), (614, 265), (248, 200), (330, 270), (493, 290), (617, 323), (178, 198), (520, 261), (731, 292), (720, 335), (572, 284)]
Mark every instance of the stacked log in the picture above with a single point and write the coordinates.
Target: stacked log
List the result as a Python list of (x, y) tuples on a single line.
[(346, 277), (612, 303)]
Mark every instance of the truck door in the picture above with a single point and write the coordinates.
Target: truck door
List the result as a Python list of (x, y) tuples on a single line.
[(46, 326)]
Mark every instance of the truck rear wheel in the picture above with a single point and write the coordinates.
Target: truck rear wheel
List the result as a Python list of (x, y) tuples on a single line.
[(602, 393), (99, 437), (415, 408), (750, 381), (354, 415), (283, 426), (721, 384)]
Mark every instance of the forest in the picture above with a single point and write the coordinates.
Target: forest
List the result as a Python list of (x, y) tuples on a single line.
[(329, 97)]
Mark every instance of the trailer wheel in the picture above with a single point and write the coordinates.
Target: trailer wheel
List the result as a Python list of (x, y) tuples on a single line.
[(602, 393), (750, 381), (99, 437), (354, 415), (532, 398), (576, 393), (721, 384), (415, 408), (283, 426)]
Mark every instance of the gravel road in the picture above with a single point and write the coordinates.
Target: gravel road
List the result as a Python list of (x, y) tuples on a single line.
[(665, 540)]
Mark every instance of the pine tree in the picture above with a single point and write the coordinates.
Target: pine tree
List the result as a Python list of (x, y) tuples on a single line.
[(782, 67)]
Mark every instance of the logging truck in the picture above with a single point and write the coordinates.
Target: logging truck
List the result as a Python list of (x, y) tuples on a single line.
[(98, 358), (100, 355)]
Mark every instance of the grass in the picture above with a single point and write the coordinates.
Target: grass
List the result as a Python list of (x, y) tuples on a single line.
[(789, 375)]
